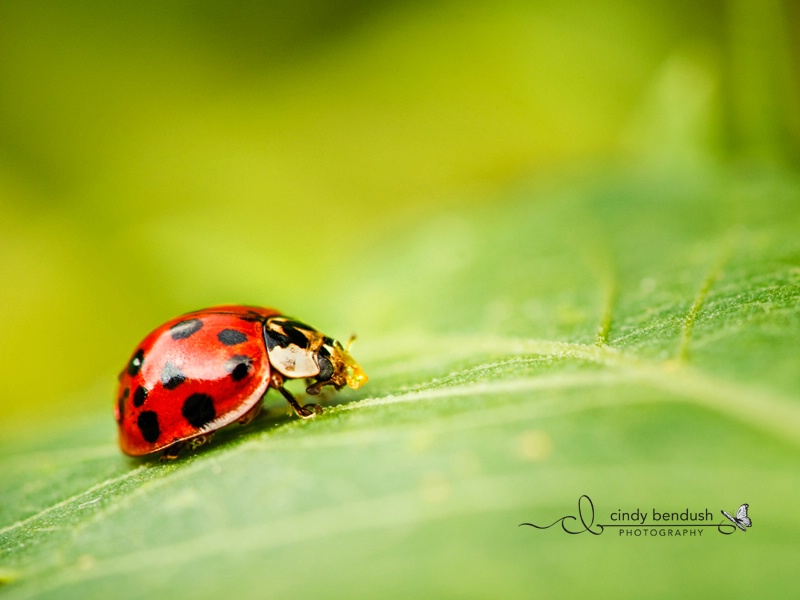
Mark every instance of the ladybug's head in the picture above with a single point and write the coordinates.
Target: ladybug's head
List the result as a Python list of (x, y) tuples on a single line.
[(299, 351)]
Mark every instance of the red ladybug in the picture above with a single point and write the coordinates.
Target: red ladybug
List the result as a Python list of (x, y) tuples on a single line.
[(201, 371)]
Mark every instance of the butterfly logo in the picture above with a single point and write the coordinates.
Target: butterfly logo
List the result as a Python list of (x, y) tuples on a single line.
[(741, 520)]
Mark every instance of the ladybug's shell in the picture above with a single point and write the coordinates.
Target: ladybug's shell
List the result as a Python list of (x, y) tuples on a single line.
[(194, 374)]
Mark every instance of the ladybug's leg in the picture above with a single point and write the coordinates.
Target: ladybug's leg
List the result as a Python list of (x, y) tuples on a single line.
[(251, 414), (304, 411), (172, 452), (198, 441), (315, 388)]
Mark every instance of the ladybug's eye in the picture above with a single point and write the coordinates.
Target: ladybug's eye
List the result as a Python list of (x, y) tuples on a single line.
[(325, 367)]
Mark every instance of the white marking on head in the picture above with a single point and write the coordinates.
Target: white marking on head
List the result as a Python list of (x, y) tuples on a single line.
[(293, 361)]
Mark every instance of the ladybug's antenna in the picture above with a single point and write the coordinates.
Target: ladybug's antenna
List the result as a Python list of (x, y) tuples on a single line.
[(349, 343)]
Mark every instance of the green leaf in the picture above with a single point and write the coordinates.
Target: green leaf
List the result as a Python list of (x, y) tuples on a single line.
[(629, 337)]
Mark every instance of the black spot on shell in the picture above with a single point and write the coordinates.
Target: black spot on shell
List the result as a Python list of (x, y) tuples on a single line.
[(136, 362), (231, 337), (198, 409), (139, 396), (172, 376), (121, 404), (273, 338), (295, 336), (325, 368), (240, 371), (184, 329), (120, 409), (238, 366), (148, 425)]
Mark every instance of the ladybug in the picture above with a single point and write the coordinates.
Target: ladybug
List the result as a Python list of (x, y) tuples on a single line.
[(206, 369)]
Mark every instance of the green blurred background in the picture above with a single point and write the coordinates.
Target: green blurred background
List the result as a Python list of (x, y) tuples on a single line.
[(156, 157)]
